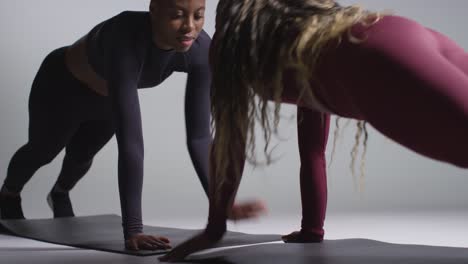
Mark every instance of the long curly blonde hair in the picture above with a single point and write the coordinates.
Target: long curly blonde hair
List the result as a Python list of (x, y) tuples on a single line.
[(254, 43)]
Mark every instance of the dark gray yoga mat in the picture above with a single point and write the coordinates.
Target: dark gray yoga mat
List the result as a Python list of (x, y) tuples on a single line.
[(104, 232), (352, 251), (347, 251)]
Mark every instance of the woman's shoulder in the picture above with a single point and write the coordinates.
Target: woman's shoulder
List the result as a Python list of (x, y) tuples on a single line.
[(200, 49), (129, 19), (127, 29), (202, 42)]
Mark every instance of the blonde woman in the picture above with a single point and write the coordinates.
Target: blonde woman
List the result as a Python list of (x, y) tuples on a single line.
[(407, 81)]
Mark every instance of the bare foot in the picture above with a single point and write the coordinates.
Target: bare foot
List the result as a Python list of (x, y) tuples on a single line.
[(302, 237)]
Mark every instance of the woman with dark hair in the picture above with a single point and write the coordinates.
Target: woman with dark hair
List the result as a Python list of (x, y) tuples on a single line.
[(407, 81), (86, 92)]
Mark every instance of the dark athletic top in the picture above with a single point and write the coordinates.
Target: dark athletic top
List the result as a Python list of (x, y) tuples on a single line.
[(121, 51)]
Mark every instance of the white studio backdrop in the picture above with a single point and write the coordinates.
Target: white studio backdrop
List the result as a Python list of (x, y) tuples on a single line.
[(396, 178)]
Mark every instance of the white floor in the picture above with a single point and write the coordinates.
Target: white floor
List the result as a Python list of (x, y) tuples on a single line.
[(449, 229)]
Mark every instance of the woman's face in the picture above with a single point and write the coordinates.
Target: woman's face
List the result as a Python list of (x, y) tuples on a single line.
[(176, 23)]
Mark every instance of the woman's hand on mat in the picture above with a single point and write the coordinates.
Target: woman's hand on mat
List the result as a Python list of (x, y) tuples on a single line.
[(246, 210), (302, 237), (147, 242), (196, 243)]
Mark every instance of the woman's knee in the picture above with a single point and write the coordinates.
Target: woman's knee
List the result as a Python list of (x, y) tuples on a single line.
[(36, 154)]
